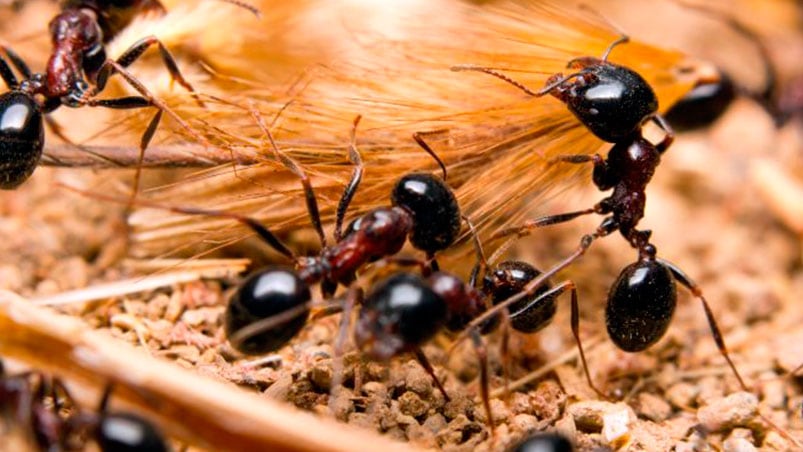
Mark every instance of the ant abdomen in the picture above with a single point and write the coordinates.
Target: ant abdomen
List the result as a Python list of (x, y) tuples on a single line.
[(267, 294), (22, 136), (511, 278), (401, 313), (434, 208), (640, 305)]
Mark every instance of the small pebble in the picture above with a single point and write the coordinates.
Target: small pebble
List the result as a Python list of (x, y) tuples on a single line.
[(524, 423), (653, 407), (411, 404), (682, 395), (616, 426), (589, 415), (735, 410)]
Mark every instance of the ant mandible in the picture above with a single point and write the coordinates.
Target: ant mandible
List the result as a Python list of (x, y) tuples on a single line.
[(77, 71), (613, 102)]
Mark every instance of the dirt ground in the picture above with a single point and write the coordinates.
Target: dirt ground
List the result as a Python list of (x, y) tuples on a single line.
[(722, 206)]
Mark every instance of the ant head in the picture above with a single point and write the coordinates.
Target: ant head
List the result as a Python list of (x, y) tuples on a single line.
[(433, 206), (22, 137), (265, 294), (128, 432), (510, 278), (400, 313), (640, 305), (611, 100)]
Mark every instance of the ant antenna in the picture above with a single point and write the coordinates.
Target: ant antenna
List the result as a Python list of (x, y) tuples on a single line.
[(623, 37), (354, 182), (262, 231), (419, 138), (499, 75), (245, 5), (482, 263)]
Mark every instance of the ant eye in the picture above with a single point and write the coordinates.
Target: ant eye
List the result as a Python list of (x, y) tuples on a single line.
[(266, 294), (433, 206), (21, 138)]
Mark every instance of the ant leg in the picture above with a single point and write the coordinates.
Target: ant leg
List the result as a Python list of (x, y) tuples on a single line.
[(262, 231), (482, 357), (530, 225), (124, 103), (103, 406), (669, 136), (715, 332), (419, 138), (424, 266), (603, 177), (354, 182), (18, 62), (505, 354), (292, 165), (575, 321), (433, 264), (354, 298), (8, 74), (155, 102), (134, 52), (422, 359), (482, 263)]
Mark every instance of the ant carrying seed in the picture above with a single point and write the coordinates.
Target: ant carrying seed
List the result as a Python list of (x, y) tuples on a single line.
[(77, 71), (273, 304), (614, 102)]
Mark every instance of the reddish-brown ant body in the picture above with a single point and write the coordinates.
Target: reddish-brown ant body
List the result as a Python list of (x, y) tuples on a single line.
[(76, 73)]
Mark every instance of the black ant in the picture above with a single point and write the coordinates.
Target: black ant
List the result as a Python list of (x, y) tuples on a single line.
[(23, 402), (614, 102), (76, 73), (38, 402), (118, 431)]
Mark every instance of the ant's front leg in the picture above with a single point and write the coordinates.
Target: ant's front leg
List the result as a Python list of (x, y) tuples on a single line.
[(603, 176), (132, 54)]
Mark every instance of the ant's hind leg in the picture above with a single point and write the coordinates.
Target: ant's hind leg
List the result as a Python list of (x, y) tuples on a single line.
[(687, 282)]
